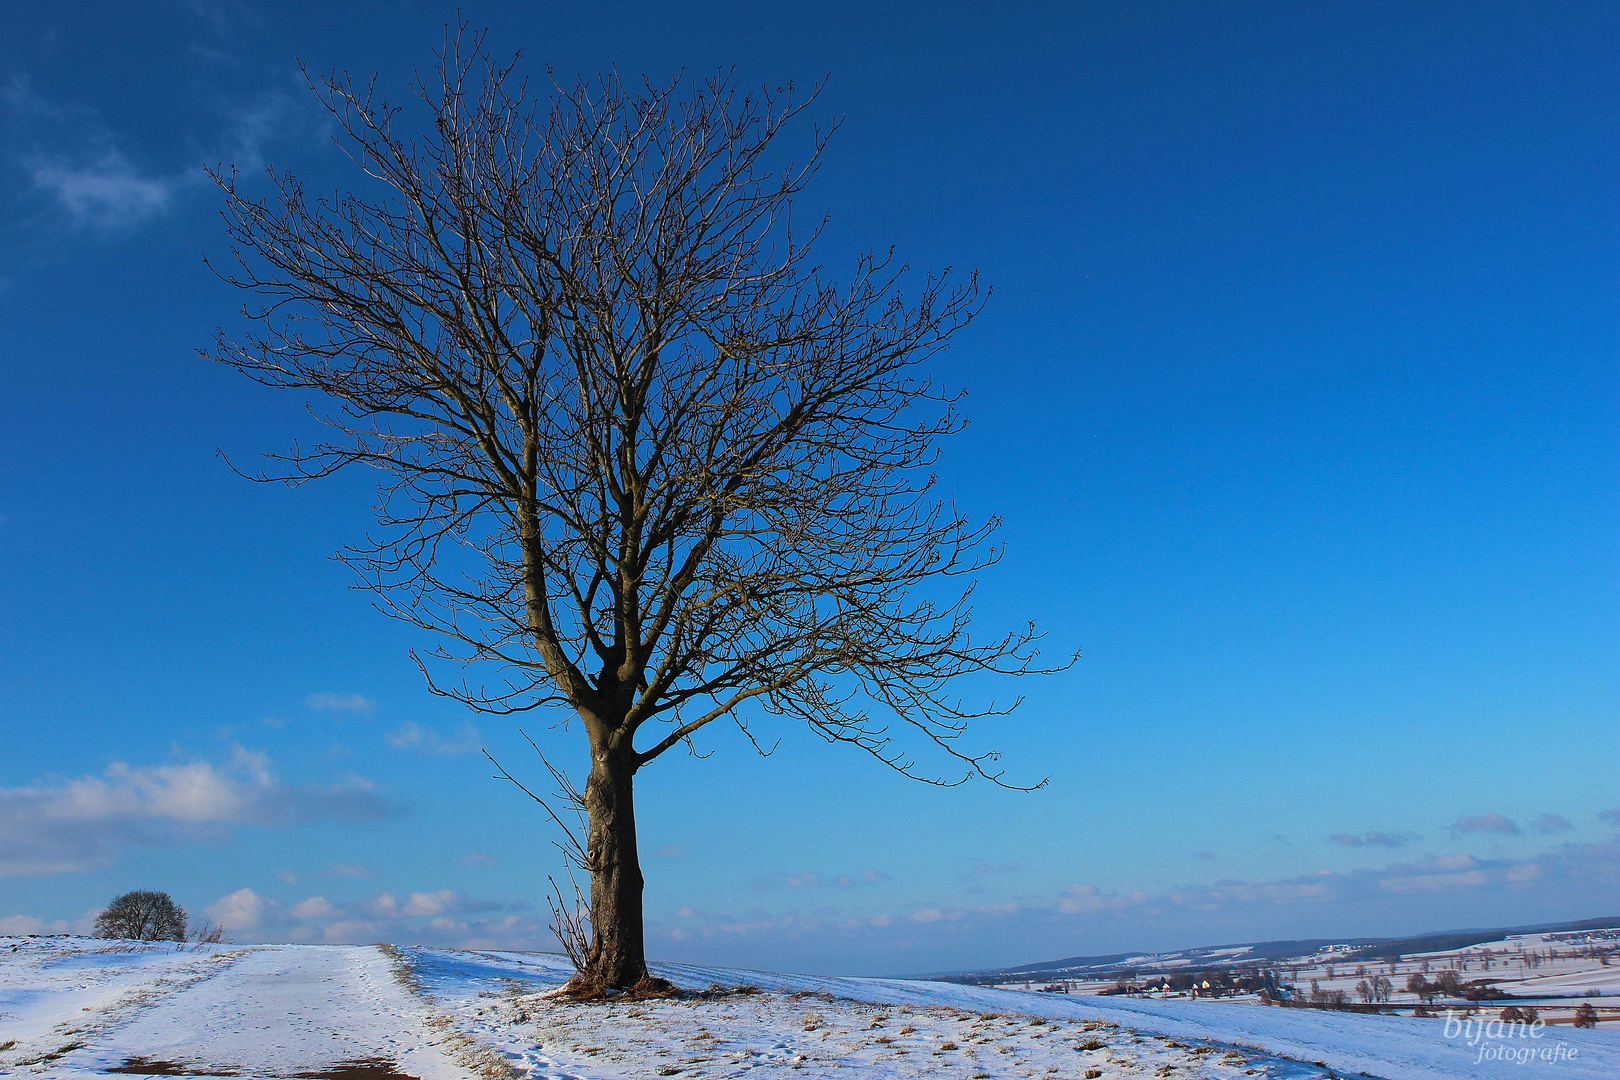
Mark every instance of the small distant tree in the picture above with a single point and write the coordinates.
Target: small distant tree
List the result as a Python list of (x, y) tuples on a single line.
[(143, 915), (1425, 989), (1586, 1016), (1365, 991)]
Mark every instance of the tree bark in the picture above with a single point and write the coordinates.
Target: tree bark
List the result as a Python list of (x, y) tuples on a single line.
[(618, 956)]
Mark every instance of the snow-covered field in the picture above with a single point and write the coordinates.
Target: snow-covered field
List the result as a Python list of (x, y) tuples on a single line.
[(79, 1008), (1553, 972)]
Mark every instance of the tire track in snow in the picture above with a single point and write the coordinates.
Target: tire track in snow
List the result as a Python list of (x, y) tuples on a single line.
[(72, 1035), (282, 1011)]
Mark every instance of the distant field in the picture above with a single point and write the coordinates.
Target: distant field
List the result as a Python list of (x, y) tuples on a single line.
[(1554, 972)]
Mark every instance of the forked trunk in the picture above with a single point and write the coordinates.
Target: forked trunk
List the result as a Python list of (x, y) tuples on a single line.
[(618, 956)]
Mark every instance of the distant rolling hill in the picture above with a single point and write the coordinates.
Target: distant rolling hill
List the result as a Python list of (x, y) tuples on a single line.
[(1260, 953)]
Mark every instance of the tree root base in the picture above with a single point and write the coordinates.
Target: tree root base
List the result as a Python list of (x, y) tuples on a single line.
[(650, 988)]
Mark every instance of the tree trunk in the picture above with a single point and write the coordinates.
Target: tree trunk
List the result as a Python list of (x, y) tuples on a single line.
[(618, 956)]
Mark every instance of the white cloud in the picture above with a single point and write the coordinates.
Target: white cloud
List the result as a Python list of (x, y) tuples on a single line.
[(18, 925), (414, 736), (242, 910), (434, 903), (420, 904), (1083, 897), (315, 908), (66, 825), (351, 932), (443, 916), (477, 858)]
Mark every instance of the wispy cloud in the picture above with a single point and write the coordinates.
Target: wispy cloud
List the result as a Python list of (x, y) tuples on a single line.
[(101, 180), (984, 868), (1484, 823), (271, 117), (224, 18), (1551, 823), (815, 879), (1374, 839), (330, 702), (64, 825), (414, 736), (106, 191), (350, 870), (81, 167)]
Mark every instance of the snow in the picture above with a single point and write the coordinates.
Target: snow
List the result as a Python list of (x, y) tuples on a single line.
[(1553, 972), (75, 1008)]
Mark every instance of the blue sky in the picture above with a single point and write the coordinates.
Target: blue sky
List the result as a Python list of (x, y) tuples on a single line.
[(1298, 393)]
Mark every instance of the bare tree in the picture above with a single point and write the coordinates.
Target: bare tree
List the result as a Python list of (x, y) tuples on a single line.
[(637, 452), (142, 915)]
